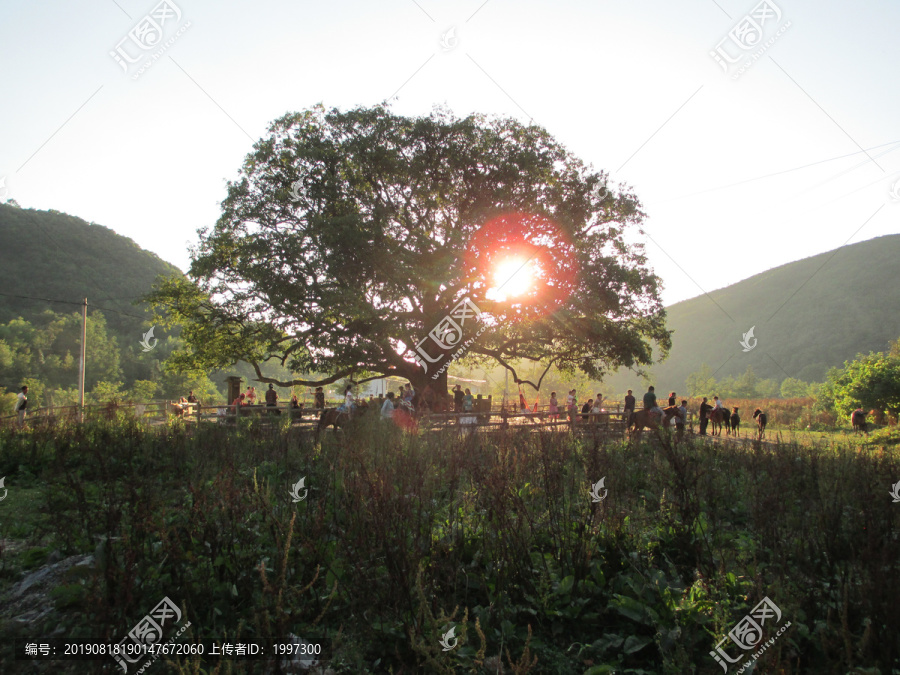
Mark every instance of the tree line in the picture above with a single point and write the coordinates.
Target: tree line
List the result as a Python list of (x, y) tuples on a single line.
[(869, 381), (44, 354)]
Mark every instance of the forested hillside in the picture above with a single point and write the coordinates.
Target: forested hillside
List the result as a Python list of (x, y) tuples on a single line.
[(51, 261), (55, 256), (808, 316)]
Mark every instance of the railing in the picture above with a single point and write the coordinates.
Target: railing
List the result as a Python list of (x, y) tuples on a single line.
[(155, 410), (606, 420), (484, 415), (160, 411)]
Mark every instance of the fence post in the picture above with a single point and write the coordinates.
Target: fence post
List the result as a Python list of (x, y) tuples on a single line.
[(234, 387)]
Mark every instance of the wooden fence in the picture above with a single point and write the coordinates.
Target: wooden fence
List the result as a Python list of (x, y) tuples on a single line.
[(485, 415)]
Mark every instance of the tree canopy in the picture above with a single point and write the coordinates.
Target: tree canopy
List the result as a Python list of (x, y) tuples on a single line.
[(871, 381), (348, 238)]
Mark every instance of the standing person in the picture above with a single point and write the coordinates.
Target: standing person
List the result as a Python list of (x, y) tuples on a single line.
[(320, 398), (597, 408), (387, 408), (572, 405), (554, 406), (250, 398), (680, 419), (629, 406), (237, 403), (704, 416), (271, 397), (458, 398), (408, 393), (650, 399), (671, 398), (21, 404), (468, 402), (586, 408), (195, 404), (468, 406)]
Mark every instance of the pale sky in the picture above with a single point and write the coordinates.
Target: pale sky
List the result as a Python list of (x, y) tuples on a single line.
[(628, 86)]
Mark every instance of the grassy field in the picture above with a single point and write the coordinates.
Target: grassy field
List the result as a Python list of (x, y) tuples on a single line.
[(401, 538)]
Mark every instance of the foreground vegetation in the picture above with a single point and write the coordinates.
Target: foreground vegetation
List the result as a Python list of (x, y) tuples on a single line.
[(401, 537)]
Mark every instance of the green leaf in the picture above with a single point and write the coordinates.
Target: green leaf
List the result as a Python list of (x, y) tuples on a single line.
[(630, 608), (607, 642), (635, 644), (600, 670), (565, 586)]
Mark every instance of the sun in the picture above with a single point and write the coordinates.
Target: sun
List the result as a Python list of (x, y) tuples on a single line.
[(513, 277), (524, 262)]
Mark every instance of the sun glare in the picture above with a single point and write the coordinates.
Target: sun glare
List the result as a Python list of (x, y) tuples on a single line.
[(512, 277)]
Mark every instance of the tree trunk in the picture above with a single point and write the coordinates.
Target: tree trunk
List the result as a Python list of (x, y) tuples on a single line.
[(438, 385)]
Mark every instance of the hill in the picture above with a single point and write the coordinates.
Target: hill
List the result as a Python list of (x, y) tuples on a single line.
[(807, 316), (55, 256), (52, 261)]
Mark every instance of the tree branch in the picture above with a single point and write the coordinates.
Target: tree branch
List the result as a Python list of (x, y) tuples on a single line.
[(305, 383)]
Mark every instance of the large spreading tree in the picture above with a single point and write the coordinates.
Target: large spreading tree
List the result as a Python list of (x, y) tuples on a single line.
[(364, 244)]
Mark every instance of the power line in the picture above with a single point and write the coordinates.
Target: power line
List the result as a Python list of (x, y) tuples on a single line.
[(778, 173), (107, 309), (69, 302), (31, 297)]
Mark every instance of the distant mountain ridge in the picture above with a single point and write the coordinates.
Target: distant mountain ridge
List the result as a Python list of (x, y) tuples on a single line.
[(807, 316), (52, 255)]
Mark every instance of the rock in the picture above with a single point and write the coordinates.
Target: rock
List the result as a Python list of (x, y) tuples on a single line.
[(49, 571), (29, 601)]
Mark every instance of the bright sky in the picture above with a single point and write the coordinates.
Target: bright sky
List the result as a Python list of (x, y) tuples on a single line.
[(630, 87)]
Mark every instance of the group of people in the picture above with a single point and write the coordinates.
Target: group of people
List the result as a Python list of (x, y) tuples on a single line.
[(183, 405), (271, 397), (650, 402), (411, 400), (731, 419), (463, 401), (734, 418), (249, 397)]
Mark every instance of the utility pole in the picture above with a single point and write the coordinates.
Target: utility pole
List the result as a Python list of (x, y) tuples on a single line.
[(81, 368)]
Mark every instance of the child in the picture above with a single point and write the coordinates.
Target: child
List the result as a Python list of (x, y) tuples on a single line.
[(554, 406)]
